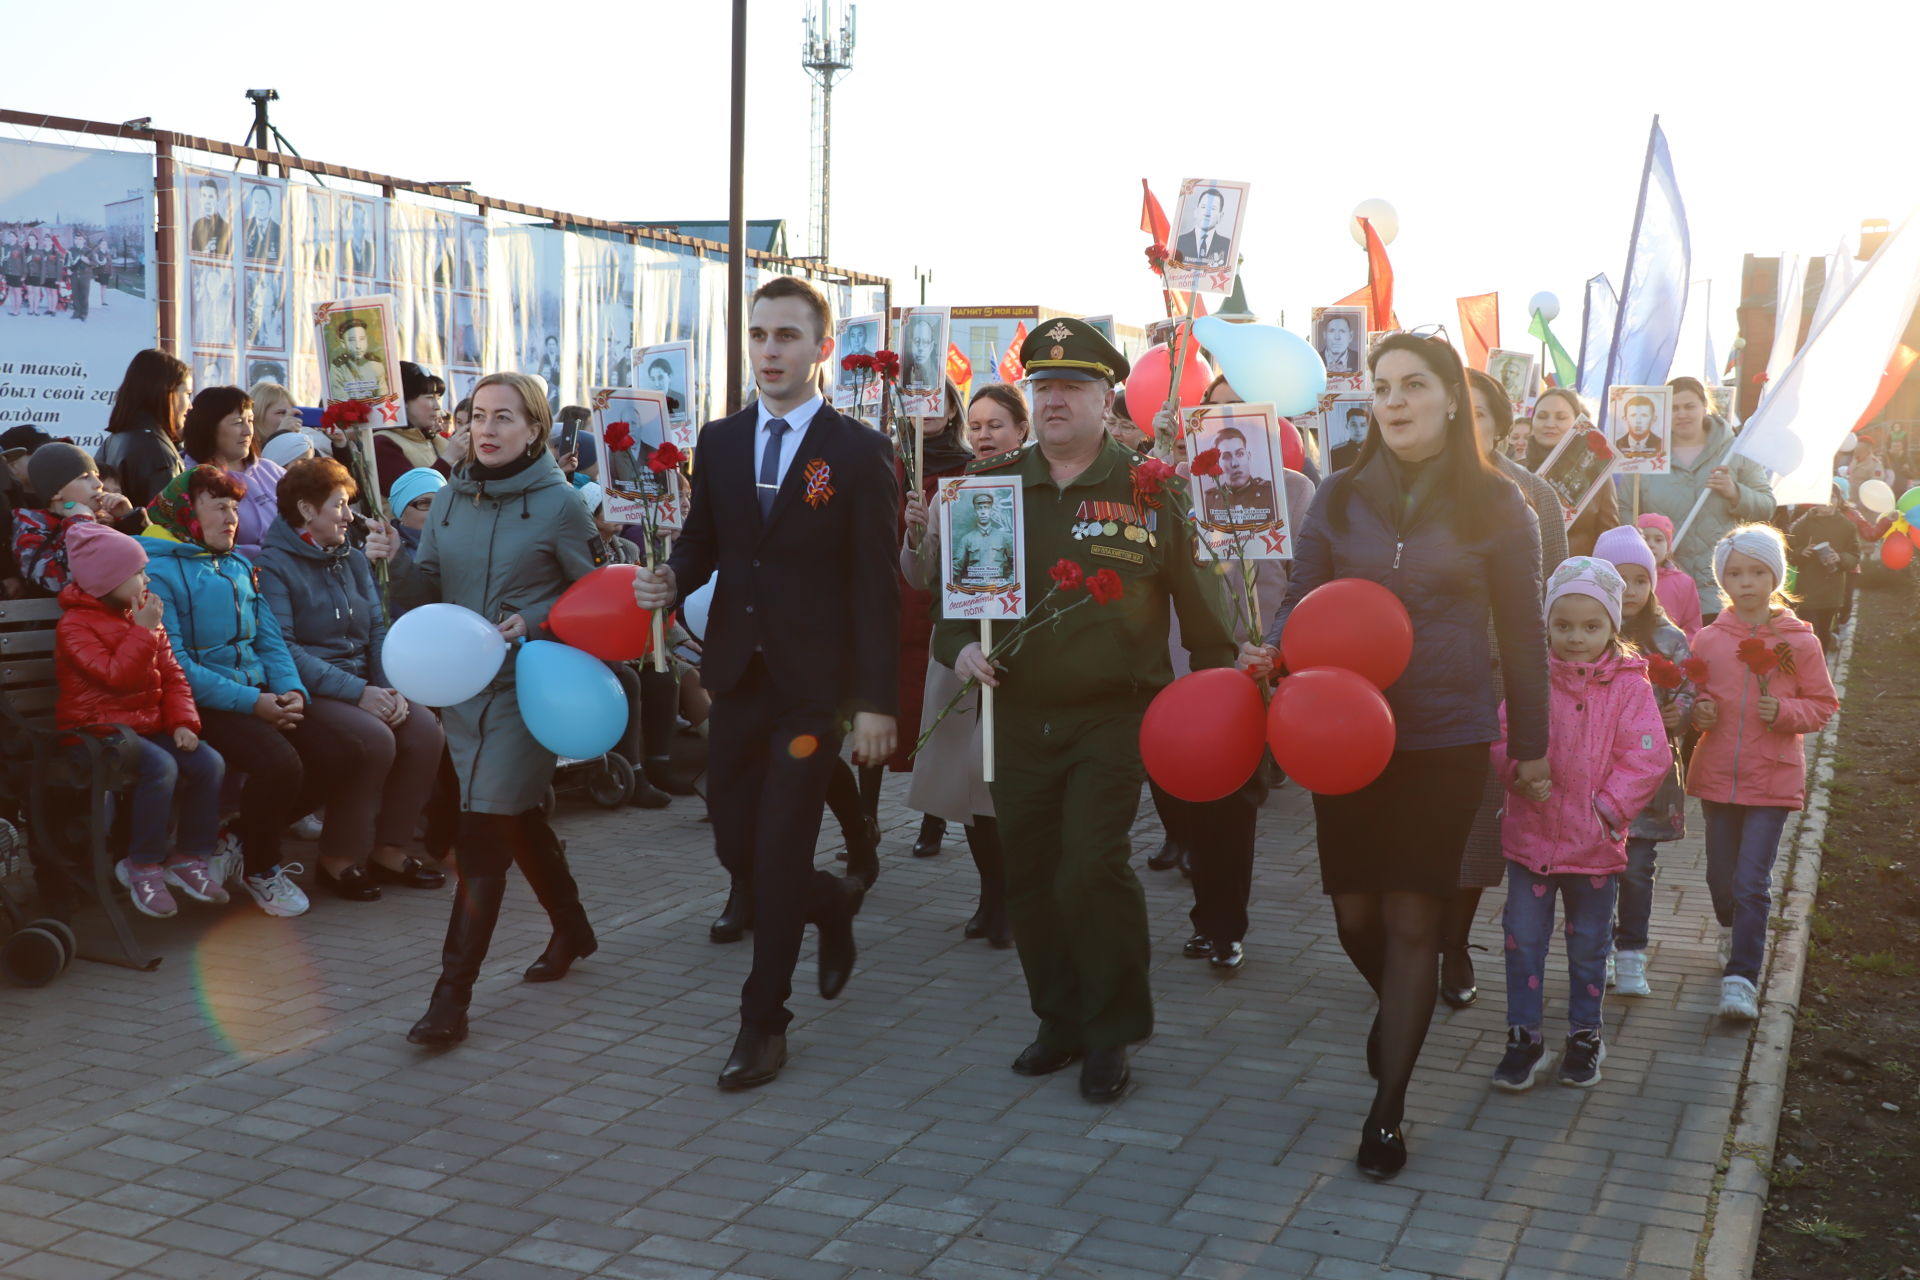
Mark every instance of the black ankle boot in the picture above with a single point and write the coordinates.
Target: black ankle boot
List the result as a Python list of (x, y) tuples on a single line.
[(572, 940), (659, 771), (932, 831), (445, 1022), (736, 917)]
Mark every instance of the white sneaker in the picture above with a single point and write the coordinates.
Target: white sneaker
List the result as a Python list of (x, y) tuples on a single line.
[(1738, 1000), (1612, 968), (1631, 969), (308, 828), (226, 864), (1726, 944), (276, 892)]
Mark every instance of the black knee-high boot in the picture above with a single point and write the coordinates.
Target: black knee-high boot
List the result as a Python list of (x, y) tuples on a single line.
[(484, 850), (543, 861), (990, 920), (845, 799), (659, 706)]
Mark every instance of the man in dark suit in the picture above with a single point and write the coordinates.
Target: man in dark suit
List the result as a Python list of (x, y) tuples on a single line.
[(209, 233), (1204, 245), (795, 507)]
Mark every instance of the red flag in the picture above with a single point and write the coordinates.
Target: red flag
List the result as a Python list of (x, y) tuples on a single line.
[(1011, 370), (1890, 381), (959, 368), (1363, 297), (1153, 219), (1379, 279), (1180, 301), (1479, 327)]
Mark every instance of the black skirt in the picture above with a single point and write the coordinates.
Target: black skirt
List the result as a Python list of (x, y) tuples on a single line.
[(1405, 831)]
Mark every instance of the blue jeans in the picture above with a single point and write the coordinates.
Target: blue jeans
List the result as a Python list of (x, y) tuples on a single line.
[(1742, 840), (1529, 923), (164, 773), (1636, 895)]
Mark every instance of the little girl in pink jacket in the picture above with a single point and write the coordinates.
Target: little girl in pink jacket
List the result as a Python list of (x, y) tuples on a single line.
[(1567, 837), (1766, 685)]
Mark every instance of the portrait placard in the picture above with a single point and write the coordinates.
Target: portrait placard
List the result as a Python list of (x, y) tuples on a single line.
[(628, 425), (359, 356), (667, 367), (923, 380), (1205, 254), (1515, 371), (1343, 429), (857, 336), (983, 570), (1640, 418), (1577, 467), (1340, 336), (1242, 512)]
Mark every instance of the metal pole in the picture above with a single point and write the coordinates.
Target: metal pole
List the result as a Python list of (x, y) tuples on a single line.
[(163, 240), (826, 166), (737, 215), (262, 135)]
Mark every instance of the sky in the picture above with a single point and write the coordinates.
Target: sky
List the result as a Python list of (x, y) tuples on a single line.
[(1001, 143)]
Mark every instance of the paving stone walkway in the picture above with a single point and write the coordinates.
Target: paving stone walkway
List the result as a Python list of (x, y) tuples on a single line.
[(252, 1110)]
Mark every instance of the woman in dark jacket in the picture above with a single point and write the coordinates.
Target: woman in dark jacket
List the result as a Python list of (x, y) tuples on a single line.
[(323, 596), (505, 539), (143, 431), (1826, 547), (1422, 513)]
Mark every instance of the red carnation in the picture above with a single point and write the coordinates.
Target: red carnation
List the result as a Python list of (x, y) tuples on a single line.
[(1206, 464), (666, 458), (344, 413), (1749, 647), (887, 363), (1663, 673), (1105, 587), (1157, 256), (1762, 664), (1696, 669), (1152, 475), (1067, 575), (1596, 444), (619, 436), (859, 362)]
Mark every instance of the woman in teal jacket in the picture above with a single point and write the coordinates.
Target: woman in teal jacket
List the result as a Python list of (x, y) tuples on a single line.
[(251, 700)]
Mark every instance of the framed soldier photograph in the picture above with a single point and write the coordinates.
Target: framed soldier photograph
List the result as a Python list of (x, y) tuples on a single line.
[(1515, 372), (628, 425), (1577, 467), (1343, 429), (667, 367), (359, 354), (1340, 336), (1240, 501), (260, 220), (982, 574), (213, 304), (266, 308), (1638, 419), (857, 336), (209, 206), (1205, 254), (923, 362)]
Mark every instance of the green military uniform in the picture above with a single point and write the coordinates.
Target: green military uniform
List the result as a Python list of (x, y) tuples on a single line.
[(1068, 708)]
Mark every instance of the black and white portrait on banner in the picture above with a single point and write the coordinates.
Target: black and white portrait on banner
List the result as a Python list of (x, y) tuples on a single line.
[(1340, 336), (857, 336), (266, 370), (1344, 430), (365, 236), (473, 254), (211, 231), (212, 369), (667, 367), (260, 220), (469, 329), (319, 238), (213, 304), (1204, 254), (266, 308)]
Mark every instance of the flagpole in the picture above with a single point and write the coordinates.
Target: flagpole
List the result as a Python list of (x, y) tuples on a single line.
[(1626, 284)]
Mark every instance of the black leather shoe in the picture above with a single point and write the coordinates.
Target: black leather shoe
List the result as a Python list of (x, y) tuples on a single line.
[(757, 1058), (1198, 947), (658, 770), (1168, 857), (1458, 995), (1038, 1060), (413, 874), (647, 796), (932, 831), (990, 922), (353, 884), (562, 950), (1104, 1074), (1228, 955), (836, 942), (735, 918), (1383, 1152), (1186, 862), (445, 1022), (863, 853)]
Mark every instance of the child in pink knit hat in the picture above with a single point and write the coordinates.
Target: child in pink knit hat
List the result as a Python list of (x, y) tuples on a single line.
[(1675, 588)]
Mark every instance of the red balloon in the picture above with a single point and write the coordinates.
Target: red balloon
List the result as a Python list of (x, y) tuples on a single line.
[(1147, 384), (1202, 734), (1293, 454), (1896, 553), (598, 614), (1330, 730), (1352, 623), (1913, 533)]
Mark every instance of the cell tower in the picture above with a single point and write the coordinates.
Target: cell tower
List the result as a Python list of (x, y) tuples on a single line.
[(826, 52)]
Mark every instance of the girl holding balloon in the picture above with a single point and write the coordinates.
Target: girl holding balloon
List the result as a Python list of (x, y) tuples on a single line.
[(1422, 513), (504, 539)]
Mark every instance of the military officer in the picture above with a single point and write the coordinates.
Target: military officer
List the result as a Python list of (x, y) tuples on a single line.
[(1069, 707), (984, 553), (356, 373), (1238, 498)]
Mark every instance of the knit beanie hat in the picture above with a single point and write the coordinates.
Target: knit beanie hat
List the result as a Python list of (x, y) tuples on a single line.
[(1761, 541), (593, 495), (1654, 520), (1624, 546), (287, 448), (55, 466), (1846, 489), (410, 485), (1587, 576), (100, 557)]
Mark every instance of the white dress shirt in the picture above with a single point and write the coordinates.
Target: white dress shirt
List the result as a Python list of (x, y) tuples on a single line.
[(797, 422)]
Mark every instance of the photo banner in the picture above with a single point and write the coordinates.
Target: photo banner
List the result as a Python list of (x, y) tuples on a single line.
[(76, 267)]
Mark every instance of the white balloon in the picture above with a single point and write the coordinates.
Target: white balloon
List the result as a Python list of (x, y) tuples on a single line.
[(1877, 496), (1851, 443), (695, 608), (1544, 304), (1386, 223), (442, 654)]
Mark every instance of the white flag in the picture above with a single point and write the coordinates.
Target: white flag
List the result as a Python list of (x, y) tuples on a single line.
[(1811, 407), (1789, 295), (1840, 265)]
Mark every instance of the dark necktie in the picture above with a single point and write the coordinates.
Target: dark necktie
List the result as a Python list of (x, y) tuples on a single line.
[(769, 486)]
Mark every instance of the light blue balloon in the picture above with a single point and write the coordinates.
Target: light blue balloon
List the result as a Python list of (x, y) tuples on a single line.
[(1266, 364), (569, 699)]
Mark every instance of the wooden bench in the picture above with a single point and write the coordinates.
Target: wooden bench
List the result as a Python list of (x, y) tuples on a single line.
[(62, 796)]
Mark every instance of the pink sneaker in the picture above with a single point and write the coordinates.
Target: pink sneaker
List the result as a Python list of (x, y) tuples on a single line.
[(193, 877), (147, 883)]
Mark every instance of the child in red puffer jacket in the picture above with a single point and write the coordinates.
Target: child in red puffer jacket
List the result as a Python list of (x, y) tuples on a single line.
[(115, 667)]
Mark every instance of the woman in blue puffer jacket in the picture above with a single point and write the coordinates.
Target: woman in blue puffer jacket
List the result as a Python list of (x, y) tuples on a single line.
[(1423, 513)]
